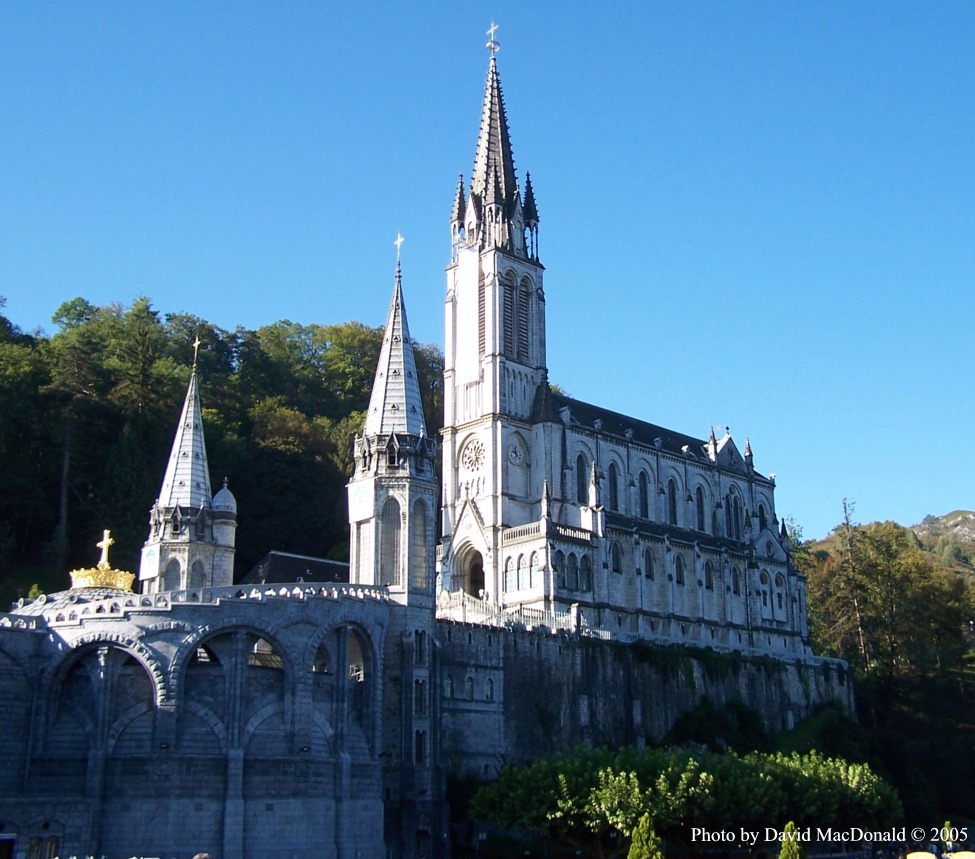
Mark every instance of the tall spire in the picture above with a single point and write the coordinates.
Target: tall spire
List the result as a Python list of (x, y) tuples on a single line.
[(187, 479), (395, 405), (494, 155)]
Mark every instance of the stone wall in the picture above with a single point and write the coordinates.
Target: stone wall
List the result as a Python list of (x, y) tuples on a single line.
[(556, 691)]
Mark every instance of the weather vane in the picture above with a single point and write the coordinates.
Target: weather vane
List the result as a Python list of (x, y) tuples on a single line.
[(399, 242), (492, 45)]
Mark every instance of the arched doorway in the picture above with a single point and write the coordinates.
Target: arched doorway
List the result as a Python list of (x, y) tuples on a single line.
[(471, 565)]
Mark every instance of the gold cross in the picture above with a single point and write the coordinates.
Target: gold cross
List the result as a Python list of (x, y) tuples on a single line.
[(104, 545), (196, 350), (399, 242)]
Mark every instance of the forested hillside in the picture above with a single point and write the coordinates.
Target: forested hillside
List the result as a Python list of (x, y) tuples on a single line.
[(88, 415), (899, 606)]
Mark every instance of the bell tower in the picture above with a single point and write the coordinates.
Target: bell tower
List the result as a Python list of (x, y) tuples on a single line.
[(495, 359)]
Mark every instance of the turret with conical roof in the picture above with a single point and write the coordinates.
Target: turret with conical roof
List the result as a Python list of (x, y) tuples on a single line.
[(191, 541), (392, 494)]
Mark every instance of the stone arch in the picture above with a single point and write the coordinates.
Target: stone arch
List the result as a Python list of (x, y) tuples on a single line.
[(643, 497), (250, 626), (420, 556), (172, 577), (701, 506), (94, 680), (469, 563), (163, 688), (390, 550), (197, 575)]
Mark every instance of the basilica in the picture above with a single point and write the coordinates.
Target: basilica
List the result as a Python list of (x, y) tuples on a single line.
[(535, 596)]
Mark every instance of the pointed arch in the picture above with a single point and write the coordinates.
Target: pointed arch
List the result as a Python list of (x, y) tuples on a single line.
[(582, 479), (389, 544), (614, 487), (420, 562)]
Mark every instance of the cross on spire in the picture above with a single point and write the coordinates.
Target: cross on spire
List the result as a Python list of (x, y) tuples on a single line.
[(399, 242), (196, 350), (492, 45)]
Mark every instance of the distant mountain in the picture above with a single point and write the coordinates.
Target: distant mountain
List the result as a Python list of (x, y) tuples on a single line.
[(951, 537)]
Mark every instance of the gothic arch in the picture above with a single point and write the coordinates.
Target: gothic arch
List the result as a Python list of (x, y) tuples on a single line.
[(702, 499), (420, 556), (469, 563)]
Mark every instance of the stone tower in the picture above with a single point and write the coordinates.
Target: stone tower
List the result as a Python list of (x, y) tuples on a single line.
[(393, 492), (392, 510), (495, 359), (192, 533)]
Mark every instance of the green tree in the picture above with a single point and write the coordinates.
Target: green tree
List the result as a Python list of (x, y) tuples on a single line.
[(791, 846)]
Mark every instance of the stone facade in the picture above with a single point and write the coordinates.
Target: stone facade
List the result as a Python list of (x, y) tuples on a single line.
[(596, 577)]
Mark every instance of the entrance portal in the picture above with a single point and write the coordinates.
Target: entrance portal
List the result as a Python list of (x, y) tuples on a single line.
[(474, 574)]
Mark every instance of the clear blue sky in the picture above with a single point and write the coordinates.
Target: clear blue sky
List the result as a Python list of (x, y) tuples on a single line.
[(755, 214)]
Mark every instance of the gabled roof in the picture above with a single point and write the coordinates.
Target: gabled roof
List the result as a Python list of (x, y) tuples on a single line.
[(187, 479), (551, 406), (493, 156), (395, 405)]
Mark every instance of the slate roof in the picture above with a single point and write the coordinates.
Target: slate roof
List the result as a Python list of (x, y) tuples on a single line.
[(187, 479), (548, 406), (493, 160), (288, 568), (395, 405)]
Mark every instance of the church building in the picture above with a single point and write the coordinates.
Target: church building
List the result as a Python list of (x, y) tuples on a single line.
[(531, 599)]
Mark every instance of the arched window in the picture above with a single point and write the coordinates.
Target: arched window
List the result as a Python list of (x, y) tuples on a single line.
[(644, 493), (421, 742), (389, 550), (171, 578), (678, 569), (614, 491), (469, 688), (735, 581), (448, 687), (779, 595), (489, 690), (522, 572), (196, 575), (524, 299), (585, 574), (572, 572), (729, 527), (764, 581), (508, 311), (762, 517), (699, 499), (672, 501), (582, 480), (558, 564), (708, 576), (421, 558), (616, 554), (648, 564), (533, 570), (737, 518), (510, 583)]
